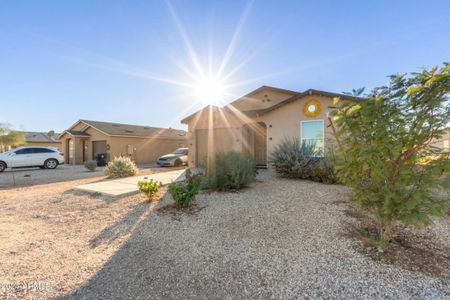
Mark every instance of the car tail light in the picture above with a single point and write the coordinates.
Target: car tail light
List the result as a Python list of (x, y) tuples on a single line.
[(60, 153)]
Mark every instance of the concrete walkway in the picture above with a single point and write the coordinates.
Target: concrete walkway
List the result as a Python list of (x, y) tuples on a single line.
[(128, 185)]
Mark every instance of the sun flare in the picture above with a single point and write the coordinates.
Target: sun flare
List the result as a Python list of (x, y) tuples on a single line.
[(210, 90)]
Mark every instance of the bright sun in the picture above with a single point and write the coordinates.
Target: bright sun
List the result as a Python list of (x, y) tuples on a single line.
[(210, 90)]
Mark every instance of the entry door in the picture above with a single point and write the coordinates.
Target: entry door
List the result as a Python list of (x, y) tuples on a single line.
[(85, 150), (261, 144)]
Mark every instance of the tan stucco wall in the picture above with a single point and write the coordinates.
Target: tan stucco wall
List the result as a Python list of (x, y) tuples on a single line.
[(147, 150), (77, 158), (215, 118), (281, 122), (95, 135), (285, 121), (80, 126)]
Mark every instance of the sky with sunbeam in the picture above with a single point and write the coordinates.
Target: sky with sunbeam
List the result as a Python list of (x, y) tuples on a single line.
[(155, 62)]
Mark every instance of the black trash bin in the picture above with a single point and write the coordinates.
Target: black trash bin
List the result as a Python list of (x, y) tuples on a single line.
[(101, 159)]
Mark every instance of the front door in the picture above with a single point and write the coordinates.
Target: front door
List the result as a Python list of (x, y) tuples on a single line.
[(85, 150), (260, 144)]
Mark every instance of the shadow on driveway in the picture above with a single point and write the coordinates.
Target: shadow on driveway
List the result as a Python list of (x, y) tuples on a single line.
[(124, 226)]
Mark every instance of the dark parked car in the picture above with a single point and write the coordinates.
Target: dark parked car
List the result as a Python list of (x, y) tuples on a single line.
[(177, 158)]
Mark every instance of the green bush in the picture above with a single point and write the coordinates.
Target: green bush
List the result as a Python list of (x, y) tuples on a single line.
[(383, 142), (149, 187), (324, 172), (184, 192), (231, 171), (91, 165), (120, 167)]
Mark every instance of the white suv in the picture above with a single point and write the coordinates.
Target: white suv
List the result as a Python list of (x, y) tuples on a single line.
[(22, 157)]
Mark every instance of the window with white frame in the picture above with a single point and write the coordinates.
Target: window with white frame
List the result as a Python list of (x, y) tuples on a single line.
[(312, 132)]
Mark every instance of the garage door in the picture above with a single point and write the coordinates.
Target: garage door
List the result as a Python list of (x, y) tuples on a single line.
[(212, 141), (98, 147)]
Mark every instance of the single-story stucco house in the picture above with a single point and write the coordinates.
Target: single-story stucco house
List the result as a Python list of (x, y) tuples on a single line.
[(257, 122), (143, 144), (45, 139)]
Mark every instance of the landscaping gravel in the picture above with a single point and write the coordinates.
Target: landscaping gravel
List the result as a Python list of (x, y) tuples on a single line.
[(280, 239)]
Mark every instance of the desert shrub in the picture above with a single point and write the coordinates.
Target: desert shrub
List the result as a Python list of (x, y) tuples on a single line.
[(325, 171), (383, 141), (184, 192), (91, 165), (231, 171), (120, 167), (292, 159), (149, 187)]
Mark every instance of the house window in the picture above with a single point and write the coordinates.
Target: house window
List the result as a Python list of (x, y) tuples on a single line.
[(312, 132)]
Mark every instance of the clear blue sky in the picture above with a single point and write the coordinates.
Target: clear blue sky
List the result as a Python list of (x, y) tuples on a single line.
[(61, 61)]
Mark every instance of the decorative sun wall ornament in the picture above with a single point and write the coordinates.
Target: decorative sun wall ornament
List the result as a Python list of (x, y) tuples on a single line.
[(311, 108)]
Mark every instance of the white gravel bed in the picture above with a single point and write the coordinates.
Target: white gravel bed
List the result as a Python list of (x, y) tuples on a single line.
[(281, 239)]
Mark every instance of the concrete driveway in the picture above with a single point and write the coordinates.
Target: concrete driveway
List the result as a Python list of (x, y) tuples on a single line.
[(128, 185)]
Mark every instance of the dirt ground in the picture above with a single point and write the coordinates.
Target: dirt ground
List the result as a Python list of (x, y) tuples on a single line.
[(53, 237)]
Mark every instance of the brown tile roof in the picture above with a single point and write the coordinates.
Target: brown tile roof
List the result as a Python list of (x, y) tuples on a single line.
[(117, 129)]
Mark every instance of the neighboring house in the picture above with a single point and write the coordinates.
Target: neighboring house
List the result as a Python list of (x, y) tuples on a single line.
[(444, 142), (257, 122), (143, 144), (47, 139)]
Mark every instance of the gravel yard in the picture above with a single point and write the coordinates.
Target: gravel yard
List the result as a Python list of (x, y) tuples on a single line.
[(278, 239)]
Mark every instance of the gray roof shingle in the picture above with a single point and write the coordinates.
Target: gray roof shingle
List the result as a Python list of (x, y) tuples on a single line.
[(44, 137), (135, 130)]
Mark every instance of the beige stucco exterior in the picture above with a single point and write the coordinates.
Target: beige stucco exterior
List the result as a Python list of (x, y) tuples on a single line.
[(285, 121), (139, 149), (236, 130)]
